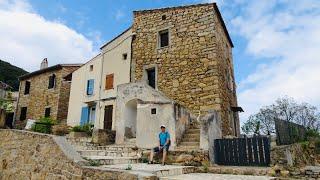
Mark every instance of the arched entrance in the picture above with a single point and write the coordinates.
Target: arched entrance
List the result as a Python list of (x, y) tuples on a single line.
[(130, 114)]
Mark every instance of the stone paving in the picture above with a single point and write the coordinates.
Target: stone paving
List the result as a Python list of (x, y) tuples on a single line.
[(208, 176)]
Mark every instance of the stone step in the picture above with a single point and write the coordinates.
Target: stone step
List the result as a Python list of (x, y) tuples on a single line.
[(187, 148), (190, 139), (190, 143), (108, 160), (191, 136), (193, 131), (108, 153)]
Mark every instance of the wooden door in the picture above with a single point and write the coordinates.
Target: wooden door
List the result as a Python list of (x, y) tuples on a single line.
[(108, 117)]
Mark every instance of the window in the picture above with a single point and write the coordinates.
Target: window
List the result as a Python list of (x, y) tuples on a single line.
[(124, 56), (91, 67), (163, 38), (164, 17), (90, 86), (153, 111), (151, 73), (27, 87), (23, 113), (47, 112), (52, 81), (109, 82)]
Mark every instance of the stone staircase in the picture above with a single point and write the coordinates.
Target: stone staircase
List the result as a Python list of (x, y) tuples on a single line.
[(106, 155), (191, 139)]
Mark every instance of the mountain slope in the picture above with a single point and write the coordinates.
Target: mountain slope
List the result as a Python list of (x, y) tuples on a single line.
[(9, 74)]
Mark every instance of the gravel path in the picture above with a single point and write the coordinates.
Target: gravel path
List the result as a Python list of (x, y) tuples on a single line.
[(208, 176)]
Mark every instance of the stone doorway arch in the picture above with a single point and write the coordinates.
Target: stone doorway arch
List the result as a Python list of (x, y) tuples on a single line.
[(130, 115)]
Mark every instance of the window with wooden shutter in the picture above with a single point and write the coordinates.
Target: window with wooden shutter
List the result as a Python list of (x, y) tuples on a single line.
[(90, 87), (109, 82)]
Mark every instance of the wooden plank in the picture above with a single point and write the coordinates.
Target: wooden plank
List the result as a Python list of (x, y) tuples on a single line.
[(231, 151), (236, 152), (244, 151), (222, 158), (250, 153), (266, 146), (261, 154), (217, 151), (227, 152), (255, 150)]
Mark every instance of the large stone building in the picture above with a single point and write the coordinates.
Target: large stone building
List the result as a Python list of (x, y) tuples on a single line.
[(178, 62), (189, 50), (44, 93)]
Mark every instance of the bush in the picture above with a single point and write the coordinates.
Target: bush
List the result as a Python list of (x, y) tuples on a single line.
[(43, 125), (311, 133), (87, 128), (60, 129)]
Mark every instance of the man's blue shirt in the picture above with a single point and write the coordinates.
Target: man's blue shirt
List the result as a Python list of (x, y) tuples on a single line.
[(163, 137)]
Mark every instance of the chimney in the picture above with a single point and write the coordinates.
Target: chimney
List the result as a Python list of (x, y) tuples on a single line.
[(44, 64)]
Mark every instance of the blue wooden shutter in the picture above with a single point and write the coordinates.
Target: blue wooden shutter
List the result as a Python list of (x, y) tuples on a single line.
[(84, 115), (90, 87)]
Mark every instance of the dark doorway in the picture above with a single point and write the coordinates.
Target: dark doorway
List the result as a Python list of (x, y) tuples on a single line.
[(151, 77), (9, 120), (108, 117)]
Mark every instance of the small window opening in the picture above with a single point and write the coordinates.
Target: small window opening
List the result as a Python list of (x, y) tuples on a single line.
[(153, 111), (23, 113), (47, 112), (151, 73), (52, 81), (124, 56), (91, 67), (164, 38), (164, 17), (27, 87)]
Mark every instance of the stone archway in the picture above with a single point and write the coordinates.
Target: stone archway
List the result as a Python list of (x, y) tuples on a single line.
[(130, 115)]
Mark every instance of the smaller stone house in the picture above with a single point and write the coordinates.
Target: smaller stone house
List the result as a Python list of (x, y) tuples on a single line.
[(45, 93)]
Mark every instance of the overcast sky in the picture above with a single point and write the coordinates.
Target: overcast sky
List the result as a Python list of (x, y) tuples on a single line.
[(276, 53)]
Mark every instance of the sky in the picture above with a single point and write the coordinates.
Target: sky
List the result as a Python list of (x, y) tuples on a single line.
[(276, 43)]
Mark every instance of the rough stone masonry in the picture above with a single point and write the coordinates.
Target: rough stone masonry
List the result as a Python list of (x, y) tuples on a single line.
[(196, 68)]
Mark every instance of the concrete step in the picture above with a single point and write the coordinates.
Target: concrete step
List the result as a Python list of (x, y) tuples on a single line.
[(190, 143), (109, 160), (190, 139), (193, 131), (108, 153), (187, 148), (191, 136)]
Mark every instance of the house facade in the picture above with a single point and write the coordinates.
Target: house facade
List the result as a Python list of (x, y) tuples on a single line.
[(44, 93), (179, 65), (94, 85)]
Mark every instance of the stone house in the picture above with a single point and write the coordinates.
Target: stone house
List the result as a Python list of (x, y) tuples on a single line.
[(44, 93), (180, 66)]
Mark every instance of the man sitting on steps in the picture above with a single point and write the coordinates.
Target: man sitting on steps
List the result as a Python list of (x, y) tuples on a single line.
[(164, 143)]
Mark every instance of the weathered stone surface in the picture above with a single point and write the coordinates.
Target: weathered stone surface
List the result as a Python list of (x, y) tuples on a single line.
[(29, 155), (184, 157), (41, 97), (196, 69), (103, 136)]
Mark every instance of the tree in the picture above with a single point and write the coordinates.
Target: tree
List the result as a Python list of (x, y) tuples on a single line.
[(286, 109)]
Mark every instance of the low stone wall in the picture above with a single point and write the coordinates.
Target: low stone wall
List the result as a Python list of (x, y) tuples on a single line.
[(29, 155)]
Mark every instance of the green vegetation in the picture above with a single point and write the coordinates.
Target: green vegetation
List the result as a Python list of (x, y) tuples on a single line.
[(9, 74), (88, 128), (43, 126)]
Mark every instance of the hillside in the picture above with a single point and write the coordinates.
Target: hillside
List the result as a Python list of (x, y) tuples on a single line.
[(10, 74)]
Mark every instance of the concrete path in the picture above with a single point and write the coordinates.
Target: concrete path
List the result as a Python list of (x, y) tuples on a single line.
[(155, 169), (208, 176)]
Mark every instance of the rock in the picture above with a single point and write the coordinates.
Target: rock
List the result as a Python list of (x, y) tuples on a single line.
[(184, 158), (284, 173)]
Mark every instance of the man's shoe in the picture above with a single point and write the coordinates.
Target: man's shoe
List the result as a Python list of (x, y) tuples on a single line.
[(150, 162)]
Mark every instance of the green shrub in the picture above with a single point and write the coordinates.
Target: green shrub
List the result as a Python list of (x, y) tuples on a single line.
[(44, 125), (87, 128), (311, 133)]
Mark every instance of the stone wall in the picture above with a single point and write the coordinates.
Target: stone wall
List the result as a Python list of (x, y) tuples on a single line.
[(195, 67), (27, 155), (41, 97)]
